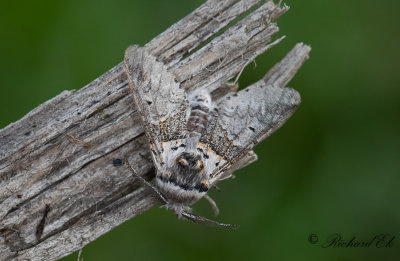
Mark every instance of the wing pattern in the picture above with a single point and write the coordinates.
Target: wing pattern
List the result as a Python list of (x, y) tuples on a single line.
[(160, 99), (243, 119)]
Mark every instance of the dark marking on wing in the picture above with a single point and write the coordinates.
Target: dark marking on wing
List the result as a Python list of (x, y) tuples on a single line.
[(174, 127), (216, 139)]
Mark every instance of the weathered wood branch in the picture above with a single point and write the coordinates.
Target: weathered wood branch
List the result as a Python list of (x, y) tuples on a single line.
[(63, 177)]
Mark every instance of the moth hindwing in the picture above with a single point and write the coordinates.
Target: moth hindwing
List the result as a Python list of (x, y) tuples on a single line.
[(193, 141)]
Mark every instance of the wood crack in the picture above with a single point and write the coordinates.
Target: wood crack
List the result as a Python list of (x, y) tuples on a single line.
[(42, 192)]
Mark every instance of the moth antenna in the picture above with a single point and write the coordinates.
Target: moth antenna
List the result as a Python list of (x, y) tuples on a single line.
[(202, 220), (148, 184), (213, 204)]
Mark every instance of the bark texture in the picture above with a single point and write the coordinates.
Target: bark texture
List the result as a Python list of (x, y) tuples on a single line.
[(64, 180)]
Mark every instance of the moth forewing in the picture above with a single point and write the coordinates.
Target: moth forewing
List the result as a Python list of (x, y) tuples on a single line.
[(246, 118), (158, 97)]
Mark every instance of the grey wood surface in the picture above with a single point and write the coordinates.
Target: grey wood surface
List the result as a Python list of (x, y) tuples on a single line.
[(61, 185)]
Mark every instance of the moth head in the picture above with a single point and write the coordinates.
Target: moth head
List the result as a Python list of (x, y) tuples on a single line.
[(190, 161)]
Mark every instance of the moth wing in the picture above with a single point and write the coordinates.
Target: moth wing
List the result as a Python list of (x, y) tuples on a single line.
[(160, 99), (241, 121)]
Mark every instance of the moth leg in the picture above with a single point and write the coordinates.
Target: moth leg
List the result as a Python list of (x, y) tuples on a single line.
[(202, 220), (147, 184), (226, 175), (217, 188), (213, 204)]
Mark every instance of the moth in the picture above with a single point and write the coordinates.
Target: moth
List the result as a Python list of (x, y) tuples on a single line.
[(194, 142)]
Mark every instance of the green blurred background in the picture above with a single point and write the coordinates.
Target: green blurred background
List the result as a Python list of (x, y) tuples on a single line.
[(333, 168)]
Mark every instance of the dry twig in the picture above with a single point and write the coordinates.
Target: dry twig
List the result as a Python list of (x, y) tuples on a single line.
[(61, 181)]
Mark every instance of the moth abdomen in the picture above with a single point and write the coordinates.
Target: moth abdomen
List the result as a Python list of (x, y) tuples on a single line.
[(197, 120), (200, 107)]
